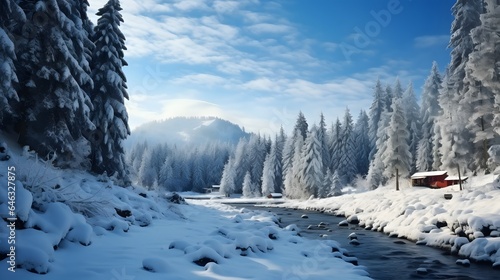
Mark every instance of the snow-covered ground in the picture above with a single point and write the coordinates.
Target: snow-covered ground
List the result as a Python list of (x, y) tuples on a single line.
[(468, 224), (131, 233)]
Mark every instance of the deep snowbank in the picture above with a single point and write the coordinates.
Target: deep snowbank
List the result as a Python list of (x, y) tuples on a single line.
[(468, 224)]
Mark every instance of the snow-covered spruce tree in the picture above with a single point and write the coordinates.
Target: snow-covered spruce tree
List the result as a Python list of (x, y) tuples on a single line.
[(227, 186), (429, 111), (301, 125), (323, 137), (324, 189), (334, 145), (455, 145), (248, 187), (396, 93), (376, 175), (241, 162), (292, 179), (278, 177), (151, 165), (257, 155), (198, 166), (397, 155), (482, 73), (413, 123), (376, 109), (287, 160), (336, 185), (272, 169), (362, 143), (109, 114), (53, 73), (311, 165), (347, 164), (11, 17), (388, 97), (268, 176)]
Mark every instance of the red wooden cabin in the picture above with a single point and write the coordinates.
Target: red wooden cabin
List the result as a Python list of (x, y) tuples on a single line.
[(435, 179)]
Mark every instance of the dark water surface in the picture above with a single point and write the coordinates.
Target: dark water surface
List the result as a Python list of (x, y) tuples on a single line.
[(384, 257)]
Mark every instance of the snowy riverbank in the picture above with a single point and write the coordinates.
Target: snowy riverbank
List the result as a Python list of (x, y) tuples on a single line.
[(468, 224)]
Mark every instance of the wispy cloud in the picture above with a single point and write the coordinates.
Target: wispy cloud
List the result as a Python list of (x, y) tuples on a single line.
[(431, 41)]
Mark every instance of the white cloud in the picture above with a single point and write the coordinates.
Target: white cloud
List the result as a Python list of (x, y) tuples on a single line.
[(190, 5), (262, 28), (200, 79), (431, 41)]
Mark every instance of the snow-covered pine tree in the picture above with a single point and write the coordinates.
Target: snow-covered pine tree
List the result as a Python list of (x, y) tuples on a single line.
[(198, 166), (482, 73), (11, 16), (413, 123), (301, 125), (268, 175), (455, 147), (397, 155), (336, 185), (152, 162), (311, 165), (53, 75), (347, 164), (278, 177), (247, 187), (109, 114), (257, 155), (227, 185), (396, 93), (292, 178), (429, 111), (376, 109), (388, 97), (376, 175), (241, 163), (324, 189), (323, 137), (334, 145), (362, 143)]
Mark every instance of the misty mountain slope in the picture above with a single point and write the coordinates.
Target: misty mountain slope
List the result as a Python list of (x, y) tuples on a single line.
[(182, 130)]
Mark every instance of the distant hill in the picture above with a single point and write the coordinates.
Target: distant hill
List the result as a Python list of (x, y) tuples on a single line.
[(187, 130)]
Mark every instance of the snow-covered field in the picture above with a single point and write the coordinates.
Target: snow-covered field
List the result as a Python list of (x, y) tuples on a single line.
[(468, 224), (131, 233)]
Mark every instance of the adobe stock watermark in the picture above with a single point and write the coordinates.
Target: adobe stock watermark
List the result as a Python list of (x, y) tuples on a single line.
[(363, 37)]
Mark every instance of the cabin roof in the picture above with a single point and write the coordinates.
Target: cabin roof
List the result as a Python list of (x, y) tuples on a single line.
[(455, 178), (422, 175)]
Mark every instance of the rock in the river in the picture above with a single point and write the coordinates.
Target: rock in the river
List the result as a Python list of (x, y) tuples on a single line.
[(353, 219), (304, 216), (352, 236), (422, 270), (343, 223), (354, 242), (463, 262)]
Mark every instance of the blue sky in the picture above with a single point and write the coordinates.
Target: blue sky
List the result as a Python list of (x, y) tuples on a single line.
[(257, 62)]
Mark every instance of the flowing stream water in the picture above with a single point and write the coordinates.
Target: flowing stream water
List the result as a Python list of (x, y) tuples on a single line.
[(383, 256)]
